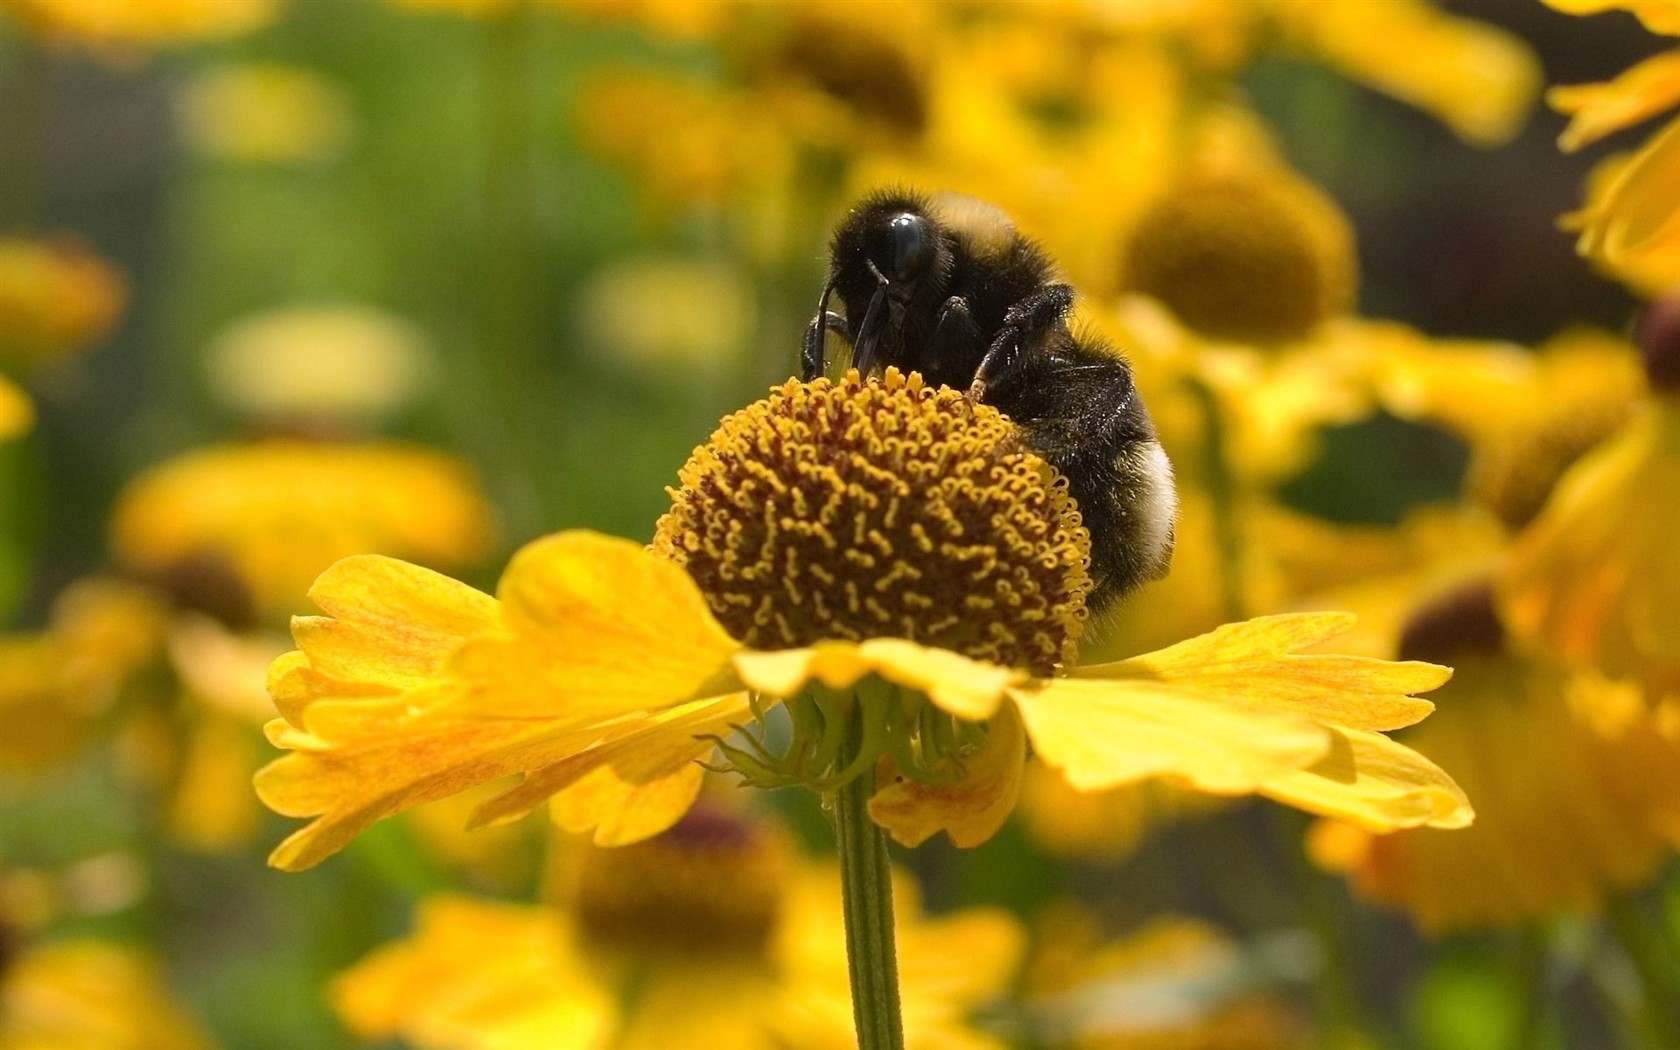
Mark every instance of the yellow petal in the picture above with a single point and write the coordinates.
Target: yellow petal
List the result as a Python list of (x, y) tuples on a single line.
[(1641, 209), (597, 626), (1597, 110), (972, 809), (963, 687), (478, 974), (388, 622), (1369, 780), (1256, 665), (1101, 734), (633, 785), (370, 769)]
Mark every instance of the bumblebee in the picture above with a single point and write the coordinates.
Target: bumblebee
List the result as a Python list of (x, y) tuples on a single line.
[(947, 287)]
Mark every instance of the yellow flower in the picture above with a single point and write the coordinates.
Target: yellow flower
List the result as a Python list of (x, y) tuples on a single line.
[(83, 994), (56, 297), (118, 30), (877, 536), (1631, 224), (54, 684), (1577, 787), (265, 113), (708, 936), (17, 415), (334, 364), (664, 345), (1593, 582), (278, 511)]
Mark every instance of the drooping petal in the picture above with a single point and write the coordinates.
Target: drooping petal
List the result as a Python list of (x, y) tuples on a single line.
[(1103, 733), (970, 810), (1257, 665), (1369, 780), (634, 784), (966, 688), (596, 627)]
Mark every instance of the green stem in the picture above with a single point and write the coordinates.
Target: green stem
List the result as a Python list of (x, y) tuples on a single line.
[(1654, 964), (866, 889), (1221, 490)]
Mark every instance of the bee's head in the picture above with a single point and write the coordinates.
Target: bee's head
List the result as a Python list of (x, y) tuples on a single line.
[(889, 260)]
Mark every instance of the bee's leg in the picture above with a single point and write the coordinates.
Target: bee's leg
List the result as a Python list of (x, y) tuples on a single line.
[(812, 360), (1024, 323), (955, 343)]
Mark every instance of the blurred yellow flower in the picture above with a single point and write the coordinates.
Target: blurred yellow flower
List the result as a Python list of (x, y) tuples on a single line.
[(84, 994), (120, 28), (1631, 222), (1576, 780), (56, 297), (54, 684), (1594, 581), (265, 113), (602, 670), (278, 511), (710, 935), (1172, 983), (335, 364), (614, 309), (17, 415), (1249, 254)]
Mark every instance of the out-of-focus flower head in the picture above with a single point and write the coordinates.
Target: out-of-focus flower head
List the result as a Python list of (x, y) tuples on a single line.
[(123, 29), (17, 415), (1630, 225), (56, 297), (277, 511), (1174, 982), (639, 313), (86, 993), (1592, 583), (722, 936), (265, 113), (604, 669), (1576, 780), (344, 365), (54, 684), (1239, 247)]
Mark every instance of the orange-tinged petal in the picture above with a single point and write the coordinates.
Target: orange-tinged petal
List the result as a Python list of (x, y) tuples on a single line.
[(1103, 733), (621, 811), (972, 809), (388, 622), (1369, 780), (596, 626), (1597, 110), (1256, 665), (966, 688)]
